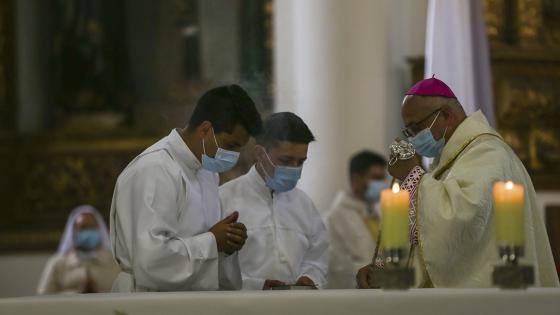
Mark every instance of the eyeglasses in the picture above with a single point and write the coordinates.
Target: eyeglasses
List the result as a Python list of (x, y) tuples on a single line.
[(412, 129)]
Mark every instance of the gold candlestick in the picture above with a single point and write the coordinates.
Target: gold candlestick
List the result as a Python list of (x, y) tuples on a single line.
[(509, 203), (393, 239)]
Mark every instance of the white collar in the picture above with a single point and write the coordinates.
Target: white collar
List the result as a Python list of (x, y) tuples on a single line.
[(182, 153), (474, 125), (258, 182)]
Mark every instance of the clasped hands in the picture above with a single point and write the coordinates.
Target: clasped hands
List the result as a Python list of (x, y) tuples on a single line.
[(230, 235)]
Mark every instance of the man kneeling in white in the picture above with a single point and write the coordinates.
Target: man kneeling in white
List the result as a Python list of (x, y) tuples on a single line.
[(287, 240)]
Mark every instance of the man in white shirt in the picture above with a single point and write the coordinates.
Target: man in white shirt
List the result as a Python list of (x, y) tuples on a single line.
[(353, 220), (165, 228), (287, 241)]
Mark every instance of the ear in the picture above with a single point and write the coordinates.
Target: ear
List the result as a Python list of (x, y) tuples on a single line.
[(355, 179), (447, 113), (355, 182), (205, 128)]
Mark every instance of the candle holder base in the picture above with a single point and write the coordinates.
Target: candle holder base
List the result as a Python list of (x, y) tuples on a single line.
[(395, 278), (513, 276)]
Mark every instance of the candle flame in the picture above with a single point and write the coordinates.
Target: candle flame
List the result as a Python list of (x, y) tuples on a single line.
[(396, 188), (509, 185)]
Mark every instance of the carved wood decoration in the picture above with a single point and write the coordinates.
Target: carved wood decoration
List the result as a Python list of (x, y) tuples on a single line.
[(104, 112), (524, 37), (553, 229), (43, 180)]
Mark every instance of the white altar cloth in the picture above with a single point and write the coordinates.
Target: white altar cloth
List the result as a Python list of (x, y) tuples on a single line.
[(417, 301)]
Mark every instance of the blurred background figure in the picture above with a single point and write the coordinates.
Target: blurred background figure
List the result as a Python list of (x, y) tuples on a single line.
[(83, 262), (353, 220)]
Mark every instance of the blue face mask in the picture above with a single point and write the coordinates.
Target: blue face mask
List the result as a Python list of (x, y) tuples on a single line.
[(285, 178), (87, 239), (425, 144), (223, 161), (374, 189)]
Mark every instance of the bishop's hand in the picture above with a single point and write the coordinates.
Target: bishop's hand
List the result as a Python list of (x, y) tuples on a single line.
[(362, 277), (402, 168), (403, 158)]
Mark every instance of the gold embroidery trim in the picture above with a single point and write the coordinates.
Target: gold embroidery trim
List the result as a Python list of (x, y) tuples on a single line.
[(428, 281), (423, 267), (447, 165)]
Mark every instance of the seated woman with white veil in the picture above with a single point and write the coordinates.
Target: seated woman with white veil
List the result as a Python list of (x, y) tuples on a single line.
[(83, 262)]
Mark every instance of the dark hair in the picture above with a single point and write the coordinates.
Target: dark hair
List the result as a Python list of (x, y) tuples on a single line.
[(363, 160), (225, 107), (284, 126)]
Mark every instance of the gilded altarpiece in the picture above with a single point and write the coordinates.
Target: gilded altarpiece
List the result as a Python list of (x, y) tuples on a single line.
[(525, 47), (42, 180), (47, 173), (524, 38), (99, 119)]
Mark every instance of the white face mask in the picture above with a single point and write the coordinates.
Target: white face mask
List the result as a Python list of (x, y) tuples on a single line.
[(425, 143), (223, 161), (374, 189), (284, 178)]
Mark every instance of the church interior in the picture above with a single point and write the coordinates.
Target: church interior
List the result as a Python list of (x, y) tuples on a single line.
[(87, 85)]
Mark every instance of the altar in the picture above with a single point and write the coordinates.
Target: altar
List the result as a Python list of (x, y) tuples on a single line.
[(417, 301)]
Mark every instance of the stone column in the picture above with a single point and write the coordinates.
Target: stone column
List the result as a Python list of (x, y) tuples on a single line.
[(33, 40), (331, 69)]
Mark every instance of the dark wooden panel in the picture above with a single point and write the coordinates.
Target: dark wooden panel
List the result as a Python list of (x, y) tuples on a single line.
[(7, 63), (524, 38), (43, 180), (553, 230)]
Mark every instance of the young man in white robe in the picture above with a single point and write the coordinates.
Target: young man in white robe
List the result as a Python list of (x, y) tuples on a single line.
[(167, 230), (452, 217), (354, 218), (287, 241)]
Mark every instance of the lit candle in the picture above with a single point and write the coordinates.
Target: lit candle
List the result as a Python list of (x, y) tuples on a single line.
[(394, 218), (509, 203)]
